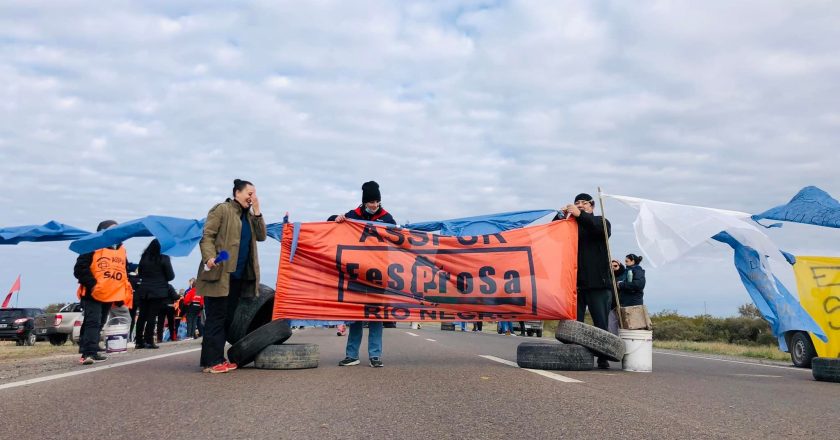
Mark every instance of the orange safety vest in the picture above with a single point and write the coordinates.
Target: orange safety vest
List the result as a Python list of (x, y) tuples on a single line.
[(108, 268)]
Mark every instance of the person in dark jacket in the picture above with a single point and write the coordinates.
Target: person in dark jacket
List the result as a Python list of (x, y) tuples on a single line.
[(594, 283), (166, 316), (103, 282), (631, 289), (156, 272), (370, 210)]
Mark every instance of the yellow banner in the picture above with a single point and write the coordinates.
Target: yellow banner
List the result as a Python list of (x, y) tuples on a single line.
[(818, 281)]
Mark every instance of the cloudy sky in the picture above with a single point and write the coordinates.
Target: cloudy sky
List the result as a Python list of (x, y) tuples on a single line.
[(124, 109)]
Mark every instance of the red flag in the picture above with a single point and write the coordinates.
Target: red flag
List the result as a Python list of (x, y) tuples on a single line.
[(15, 289)]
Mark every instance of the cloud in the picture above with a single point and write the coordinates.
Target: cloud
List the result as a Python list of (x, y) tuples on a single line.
[(456, 108)]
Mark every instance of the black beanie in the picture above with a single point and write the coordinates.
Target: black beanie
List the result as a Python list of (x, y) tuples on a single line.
[(584, 196), (370, 192), (105, 225)]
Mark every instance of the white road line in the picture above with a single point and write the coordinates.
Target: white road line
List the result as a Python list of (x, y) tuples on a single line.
[(431, 340), (91, 370), (412, 334), (755, 364), (755, 375), (544, 373)]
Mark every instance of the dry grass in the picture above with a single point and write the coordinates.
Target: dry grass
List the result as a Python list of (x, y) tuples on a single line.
[(770, 352), (9, 351)]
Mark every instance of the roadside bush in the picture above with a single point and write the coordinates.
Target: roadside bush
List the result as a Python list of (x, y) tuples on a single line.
[(746, 329)]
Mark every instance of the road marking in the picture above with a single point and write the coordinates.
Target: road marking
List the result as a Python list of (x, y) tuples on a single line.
[(755, 364), (543, 373), (412, 334), (755, 375), (91, 370), (431, 340)]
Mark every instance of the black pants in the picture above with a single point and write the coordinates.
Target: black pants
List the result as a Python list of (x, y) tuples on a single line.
[(133, 313), (166, 314), (95, 314), (522, 328), (477, 326), (193, 319), (149, 310), (598, 301), (219, 313)]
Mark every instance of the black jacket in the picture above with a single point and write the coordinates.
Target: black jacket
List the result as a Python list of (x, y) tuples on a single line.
[(156, 275), (593, 258), (380, 215), (632, 288)]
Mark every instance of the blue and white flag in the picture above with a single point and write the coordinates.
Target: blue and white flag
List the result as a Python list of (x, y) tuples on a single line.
[(50, 231), (811, 206), (177, 236)]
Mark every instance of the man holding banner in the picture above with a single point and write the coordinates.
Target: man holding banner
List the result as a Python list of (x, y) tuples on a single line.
[(370, 210), (594, 285)]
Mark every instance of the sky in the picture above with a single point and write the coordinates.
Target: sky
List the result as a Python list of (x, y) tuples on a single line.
[(122, 109)]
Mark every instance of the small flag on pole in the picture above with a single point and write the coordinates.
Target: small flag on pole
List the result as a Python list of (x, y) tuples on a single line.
[(15, 289)]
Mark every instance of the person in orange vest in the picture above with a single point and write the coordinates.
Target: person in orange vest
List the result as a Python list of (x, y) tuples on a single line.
[(103, 282)]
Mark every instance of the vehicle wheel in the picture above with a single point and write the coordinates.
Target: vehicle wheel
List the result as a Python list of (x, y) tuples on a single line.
[(287, 357), (246, 349), (58, 339), (529, 333), (251, 313), (539, 333), (600, 342), (826, 369), (31, 337), (554, 356), (801, 350)]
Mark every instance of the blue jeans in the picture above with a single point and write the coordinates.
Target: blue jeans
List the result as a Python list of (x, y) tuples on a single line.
[(506, 326), (463, 326), (354, 340)]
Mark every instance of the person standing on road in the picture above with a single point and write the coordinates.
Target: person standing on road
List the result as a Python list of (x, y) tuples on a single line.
[(631, 288), (156, 272), (370, 210), (234, 226), (594, 284), (619, 272), (194, 304), (166, 316), (103, 282)]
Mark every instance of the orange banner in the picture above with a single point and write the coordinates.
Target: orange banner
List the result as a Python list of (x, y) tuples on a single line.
[(369, 272)]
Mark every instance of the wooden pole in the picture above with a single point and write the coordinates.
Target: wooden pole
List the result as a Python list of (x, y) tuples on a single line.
[(609, 262)]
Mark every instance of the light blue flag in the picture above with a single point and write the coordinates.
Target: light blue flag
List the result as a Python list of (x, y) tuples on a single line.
[(482, 224), (50, 231), (810, 205), (777, 305), (177, 236)]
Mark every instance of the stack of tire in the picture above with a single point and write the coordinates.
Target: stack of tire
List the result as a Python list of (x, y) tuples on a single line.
[(579, 344), (254, 337), (826, 369)]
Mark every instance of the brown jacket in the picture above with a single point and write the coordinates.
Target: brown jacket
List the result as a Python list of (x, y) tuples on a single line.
[(222, 231)]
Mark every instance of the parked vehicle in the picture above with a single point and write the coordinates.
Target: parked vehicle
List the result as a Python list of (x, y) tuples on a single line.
[(531, 328), (57, 327), (18, 324)]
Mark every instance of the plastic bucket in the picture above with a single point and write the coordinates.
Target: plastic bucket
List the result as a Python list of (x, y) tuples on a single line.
[(638, 350), (116, 335)]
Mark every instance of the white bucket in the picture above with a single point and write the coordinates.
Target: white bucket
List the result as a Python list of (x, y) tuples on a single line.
[(638, 350), (116, 335)]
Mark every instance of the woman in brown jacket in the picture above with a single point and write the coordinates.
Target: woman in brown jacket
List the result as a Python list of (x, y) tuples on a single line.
[(234, 226)]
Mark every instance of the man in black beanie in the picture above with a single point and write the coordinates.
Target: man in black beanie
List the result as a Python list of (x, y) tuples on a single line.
[(370, 210), (594, 285)]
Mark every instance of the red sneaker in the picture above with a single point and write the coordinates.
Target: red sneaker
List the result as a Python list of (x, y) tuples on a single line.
[(230, 366), (215, 369)]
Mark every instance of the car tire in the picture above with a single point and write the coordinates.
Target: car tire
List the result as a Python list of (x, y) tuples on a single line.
[(58, 339), (250, 314), (601, 342), (30, 339), (801, 350), (287, 357), (826, 369), (539, 333), (244, 351), (554, 356), (529, 333)]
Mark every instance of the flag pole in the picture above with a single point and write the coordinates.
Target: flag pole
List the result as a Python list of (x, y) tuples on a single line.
[(609, 263)]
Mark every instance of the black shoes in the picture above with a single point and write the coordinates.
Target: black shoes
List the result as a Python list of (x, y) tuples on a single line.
[(376, 363), (346, 362)]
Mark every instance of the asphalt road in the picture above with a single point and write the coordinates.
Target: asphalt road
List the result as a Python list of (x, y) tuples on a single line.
[(434, 385)]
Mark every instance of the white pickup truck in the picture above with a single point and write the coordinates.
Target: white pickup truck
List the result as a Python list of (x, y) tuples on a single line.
[(57, 327)]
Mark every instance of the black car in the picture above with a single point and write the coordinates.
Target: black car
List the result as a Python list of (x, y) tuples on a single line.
[(18, 324)]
